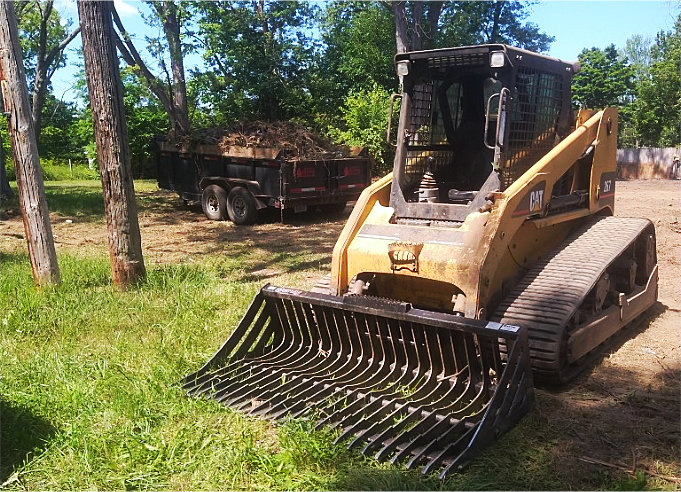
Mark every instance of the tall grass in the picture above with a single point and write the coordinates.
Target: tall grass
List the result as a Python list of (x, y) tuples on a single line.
[(61, 171)]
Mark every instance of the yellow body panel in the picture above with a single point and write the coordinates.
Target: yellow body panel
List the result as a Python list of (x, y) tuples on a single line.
[(488, 249)]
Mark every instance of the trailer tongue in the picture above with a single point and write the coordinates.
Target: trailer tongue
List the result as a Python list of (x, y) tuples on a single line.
[(409, 385)]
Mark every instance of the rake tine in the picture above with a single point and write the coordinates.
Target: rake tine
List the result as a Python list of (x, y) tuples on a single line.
[(409, 384)]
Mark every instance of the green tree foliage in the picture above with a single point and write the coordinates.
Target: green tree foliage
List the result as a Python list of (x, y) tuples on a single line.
[(603, 80), (55, 137), (360, 48), (637, 50), (30, 15), (168, 52), (365, 119), (467, 23), (657, 110), (259, 55), (146, 119), (145, 116), (44, 38)]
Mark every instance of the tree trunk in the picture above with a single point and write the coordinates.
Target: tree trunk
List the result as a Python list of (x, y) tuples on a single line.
[(171, 28), (32, 199), (46, 62), (494, 35), (417, 32), (432, 20), (173, 98), (401, 27), (111, 136), (39, 82)]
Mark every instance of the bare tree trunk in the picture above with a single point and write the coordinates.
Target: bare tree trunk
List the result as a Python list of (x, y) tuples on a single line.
[(432, 20), (167, 12), (494, 35), (46, 63), (417, 33), (173, 98), (111, 136), (32, 199), (401, 27)]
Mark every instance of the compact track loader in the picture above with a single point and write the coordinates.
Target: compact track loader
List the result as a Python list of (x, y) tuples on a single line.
[(489, 257)]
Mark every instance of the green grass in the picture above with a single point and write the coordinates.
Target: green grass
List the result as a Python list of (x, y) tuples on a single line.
[(90, 395), (60, 171), (82, 199)]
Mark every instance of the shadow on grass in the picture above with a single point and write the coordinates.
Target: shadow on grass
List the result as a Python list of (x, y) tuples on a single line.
[(83, 200), (22, 435), (378, 479)]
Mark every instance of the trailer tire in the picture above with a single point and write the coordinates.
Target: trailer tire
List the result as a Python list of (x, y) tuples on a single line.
[(214, 202), (241, 206)]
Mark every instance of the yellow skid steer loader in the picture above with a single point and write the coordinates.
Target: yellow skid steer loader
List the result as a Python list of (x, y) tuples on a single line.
[(488, 258)]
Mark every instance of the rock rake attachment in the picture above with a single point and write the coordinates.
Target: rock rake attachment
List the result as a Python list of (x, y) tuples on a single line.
[(410, 385)]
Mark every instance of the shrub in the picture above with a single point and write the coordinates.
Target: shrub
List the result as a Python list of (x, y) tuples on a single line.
[(365, 119)]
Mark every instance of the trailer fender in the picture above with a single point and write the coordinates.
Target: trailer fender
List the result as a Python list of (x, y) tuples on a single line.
[(228, 183)]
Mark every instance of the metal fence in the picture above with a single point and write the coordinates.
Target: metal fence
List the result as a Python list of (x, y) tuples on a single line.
[(646, 163)]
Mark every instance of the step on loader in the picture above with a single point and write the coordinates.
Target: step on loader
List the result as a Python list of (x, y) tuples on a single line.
[(487, 260)]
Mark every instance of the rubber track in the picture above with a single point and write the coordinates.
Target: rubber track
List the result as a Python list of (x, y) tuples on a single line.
[(552, 290)]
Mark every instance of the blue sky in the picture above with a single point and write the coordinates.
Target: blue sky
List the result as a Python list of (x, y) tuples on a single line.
[(576, 24), (585, 24)]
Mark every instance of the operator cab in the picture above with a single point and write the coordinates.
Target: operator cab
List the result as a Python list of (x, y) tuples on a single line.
[(472, 120)]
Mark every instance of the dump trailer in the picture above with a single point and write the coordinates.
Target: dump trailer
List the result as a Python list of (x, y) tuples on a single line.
[(236, 182), (487, 260)]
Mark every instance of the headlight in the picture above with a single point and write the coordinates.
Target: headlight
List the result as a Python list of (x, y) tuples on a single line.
[(497, 59), (403, 67)]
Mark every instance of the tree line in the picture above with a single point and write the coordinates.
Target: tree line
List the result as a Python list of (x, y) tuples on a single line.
[(327, 66)]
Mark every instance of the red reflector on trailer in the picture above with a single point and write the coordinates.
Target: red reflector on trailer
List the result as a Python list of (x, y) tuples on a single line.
[(305, 172)]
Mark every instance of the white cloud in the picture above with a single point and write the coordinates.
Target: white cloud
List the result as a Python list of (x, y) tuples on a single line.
[(125, 9), (69, 8)]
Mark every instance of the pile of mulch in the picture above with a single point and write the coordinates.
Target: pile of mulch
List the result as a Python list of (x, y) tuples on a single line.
[(295, 140)]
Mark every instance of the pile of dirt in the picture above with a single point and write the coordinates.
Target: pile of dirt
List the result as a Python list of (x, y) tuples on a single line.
[(295, 140)]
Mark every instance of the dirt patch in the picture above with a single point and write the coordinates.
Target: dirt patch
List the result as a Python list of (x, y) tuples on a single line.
[(624, 409), (175, 233)]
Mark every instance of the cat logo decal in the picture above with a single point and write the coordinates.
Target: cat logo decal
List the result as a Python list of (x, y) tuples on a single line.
[(533, 202)]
